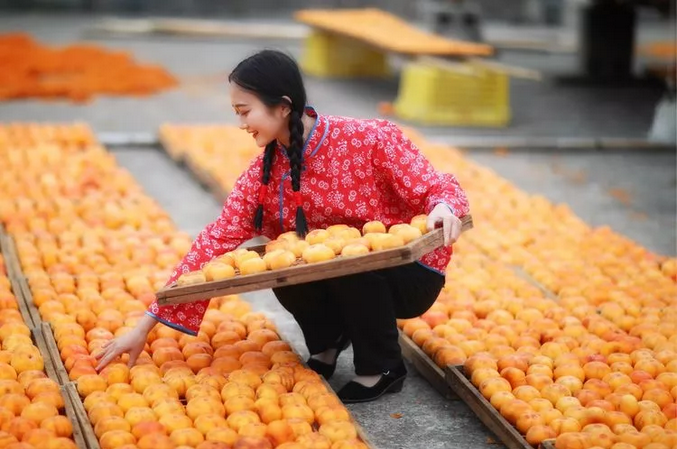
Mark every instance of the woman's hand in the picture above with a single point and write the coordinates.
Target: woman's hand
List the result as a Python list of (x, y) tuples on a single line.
[(450, 222), (131, 343)]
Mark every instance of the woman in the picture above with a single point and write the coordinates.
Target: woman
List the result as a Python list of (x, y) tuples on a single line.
[(318, 171)]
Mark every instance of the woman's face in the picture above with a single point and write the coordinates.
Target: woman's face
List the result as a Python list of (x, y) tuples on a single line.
[(264, 123)]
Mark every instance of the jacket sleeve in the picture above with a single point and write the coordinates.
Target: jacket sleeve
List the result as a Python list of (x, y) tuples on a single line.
[(233, 227), (413, 177)]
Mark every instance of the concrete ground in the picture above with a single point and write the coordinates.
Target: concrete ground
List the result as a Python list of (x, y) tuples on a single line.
[(633, 191)]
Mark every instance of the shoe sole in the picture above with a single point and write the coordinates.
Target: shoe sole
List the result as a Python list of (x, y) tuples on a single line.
[(395, 387)]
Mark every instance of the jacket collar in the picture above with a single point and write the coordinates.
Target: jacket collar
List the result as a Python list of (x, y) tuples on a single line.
[(315, 138)]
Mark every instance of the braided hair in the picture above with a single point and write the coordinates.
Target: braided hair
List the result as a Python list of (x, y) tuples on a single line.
[(275, 79)]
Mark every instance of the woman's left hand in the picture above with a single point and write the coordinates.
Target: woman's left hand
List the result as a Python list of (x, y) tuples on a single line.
[(450, 222)]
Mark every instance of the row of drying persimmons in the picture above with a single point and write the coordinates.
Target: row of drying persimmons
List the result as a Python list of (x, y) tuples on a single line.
[(93, 249), (569, 331)]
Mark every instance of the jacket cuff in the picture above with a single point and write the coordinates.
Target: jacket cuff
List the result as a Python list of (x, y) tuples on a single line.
[(175, 326), (451, 209)]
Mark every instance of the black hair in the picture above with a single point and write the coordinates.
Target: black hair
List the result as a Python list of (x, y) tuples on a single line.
[(272, 75)]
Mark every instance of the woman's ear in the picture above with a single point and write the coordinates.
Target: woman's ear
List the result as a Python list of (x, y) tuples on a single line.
[(286, 106)]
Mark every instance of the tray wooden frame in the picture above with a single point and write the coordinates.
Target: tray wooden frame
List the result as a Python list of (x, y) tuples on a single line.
[(302, 272)]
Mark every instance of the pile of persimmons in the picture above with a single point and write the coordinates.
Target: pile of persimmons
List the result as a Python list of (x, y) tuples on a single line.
[(29, 69), (94, 249), (31, 404)]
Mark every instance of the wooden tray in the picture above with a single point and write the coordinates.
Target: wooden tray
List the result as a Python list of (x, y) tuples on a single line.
[(486, 412), (426, 367), (302, 272)]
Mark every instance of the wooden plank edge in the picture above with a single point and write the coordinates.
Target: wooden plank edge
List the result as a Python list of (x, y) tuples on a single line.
[(54, 353), (548, 444), (409, 253), (426, 367), (79, 435), (128, 139), (24, 309), (483, 409), (16, 278), (170, 150), (195, 27), (206, 180), (257, 284), (39, 339), (316, 270), (527, 143), (88, 435), (27, 297), (9, 254), (519, 271)]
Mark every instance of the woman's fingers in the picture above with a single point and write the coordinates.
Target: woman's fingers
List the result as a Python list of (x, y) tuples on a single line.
[(101, 353), (458, 228), (106, 356), (432, 222), (447, 231), (104, 362), (133, 355)]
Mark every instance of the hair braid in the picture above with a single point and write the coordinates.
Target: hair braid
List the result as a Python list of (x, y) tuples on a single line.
[(268, 157), (295, 162)]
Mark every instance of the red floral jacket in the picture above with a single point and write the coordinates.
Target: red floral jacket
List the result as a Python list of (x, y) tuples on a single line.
[(354, 171)]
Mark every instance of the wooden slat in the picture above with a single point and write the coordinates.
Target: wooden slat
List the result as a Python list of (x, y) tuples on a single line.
[(27, 298), (22, 302), (491, 418), (79, 435), (519, 271), (548, 444), (90, 440), (39, 338), (54, 353), (9, 253), (206, 179), (195, 27), (425, 366), (173, 153), (16, 278), (302, 272)]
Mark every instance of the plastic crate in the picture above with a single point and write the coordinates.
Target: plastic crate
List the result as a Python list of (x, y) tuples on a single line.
[(334, 56), (435, 92)]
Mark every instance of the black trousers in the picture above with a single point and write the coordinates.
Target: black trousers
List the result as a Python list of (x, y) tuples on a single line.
[(364, 306)]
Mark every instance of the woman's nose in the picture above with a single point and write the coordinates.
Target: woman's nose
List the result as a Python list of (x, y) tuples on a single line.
[(243, 125)]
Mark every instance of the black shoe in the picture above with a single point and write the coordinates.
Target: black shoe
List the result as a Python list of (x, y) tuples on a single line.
[(326, 370), (391, 382)]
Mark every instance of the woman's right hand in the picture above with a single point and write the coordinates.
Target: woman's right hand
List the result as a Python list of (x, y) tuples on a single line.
[(131, 343)]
